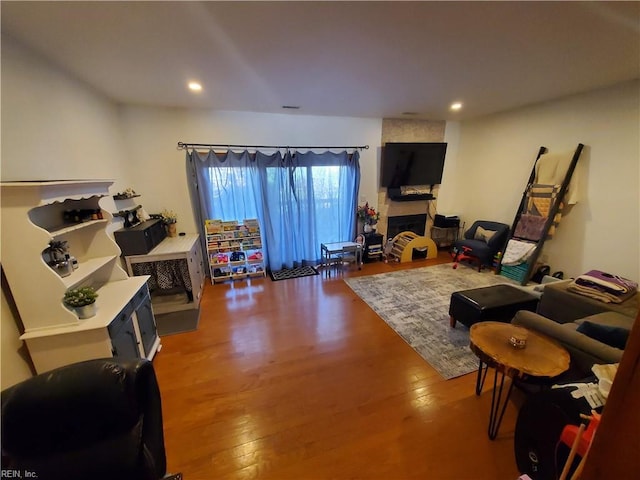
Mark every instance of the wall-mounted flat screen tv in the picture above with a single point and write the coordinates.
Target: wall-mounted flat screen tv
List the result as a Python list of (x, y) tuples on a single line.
[(412, 164)]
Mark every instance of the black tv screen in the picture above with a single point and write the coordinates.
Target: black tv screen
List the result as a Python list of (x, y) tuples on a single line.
[(412, 164)]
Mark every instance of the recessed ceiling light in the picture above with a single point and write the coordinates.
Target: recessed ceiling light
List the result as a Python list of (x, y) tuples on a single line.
[(195, 87), (456, 106)]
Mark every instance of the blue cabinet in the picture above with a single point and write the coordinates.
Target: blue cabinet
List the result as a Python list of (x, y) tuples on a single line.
[(133, 332)]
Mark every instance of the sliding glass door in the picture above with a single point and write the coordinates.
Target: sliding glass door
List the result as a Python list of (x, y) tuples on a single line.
[(301, 200)]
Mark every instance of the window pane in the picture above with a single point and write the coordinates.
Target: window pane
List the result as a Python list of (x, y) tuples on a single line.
[(233, 194)]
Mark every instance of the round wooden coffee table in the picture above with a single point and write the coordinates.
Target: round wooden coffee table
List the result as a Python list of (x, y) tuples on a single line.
[(541, 357)]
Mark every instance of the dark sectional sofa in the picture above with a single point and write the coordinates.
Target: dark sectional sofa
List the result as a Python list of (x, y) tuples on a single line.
[(560, 314)]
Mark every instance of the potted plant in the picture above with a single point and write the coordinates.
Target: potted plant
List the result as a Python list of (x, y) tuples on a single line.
[(169, 218), (368, 216), (82, 300)]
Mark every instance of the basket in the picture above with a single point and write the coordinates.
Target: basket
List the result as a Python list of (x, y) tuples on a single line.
[(515, 272)]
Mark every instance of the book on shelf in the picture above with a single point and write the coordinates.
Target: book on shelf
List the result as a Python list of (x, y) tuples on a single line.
[(213, 226), (235, 249)]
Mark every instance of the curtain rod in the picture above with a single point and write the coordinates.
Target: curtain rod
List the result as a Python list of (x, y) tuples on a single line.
[(184, 146)]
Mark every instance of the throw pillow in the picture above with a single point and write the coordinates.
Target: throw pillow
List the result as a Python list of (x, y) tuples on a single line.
[(482, 234), (613, 336)]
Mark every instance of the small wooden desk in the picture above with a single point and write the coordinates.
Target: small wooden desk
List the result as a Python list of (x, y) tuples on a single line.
[(328, 250), (540, 358)]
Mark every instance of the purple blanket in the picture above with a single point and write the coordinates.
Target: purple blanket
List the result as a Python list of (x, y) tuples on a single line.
[(606, 282)]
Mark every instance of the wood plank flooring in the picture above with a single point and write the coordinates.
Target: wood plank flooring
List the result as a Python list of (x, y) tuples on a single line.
[(300, 379)]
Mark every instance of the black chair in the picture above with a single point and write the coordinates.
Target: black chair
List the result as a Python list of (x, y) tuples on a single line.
[(481, 243), (99, 419)]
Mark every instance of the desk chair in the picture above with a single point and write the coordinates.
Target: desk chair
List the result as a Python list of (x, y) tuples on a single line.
[(351, 255)]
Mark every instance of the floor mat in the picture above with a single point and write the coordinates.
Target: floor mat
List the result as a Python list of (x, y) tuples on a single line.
[(177, 322), (288, 273)]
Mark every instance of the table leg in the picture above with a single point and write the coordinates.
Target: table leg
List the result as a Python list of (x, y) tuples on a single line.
[(494, 419), (481, 376), (325, 258), (496, 413)]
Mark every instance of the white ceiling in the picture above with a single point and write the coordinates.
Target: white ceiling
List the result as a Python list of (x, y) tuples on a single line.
[(363, 59)]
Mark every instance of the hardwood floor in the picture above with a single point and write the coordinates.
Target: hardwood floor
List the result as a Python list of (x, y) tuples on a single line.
[(300, 379)]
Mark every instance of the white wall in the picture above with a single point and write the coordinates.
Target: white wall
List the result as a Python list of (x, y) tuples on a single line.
[(54, 126), (495, 157), (160, 175)]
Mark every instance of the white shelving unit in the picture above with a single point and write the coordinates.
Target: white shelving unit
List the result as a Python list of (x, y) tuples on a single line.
[(32, 216), (234, 251)]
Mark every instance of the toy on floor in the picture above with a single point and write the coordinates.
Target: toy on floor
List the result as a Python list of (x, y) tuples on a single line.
[(465, 254), (387, 250), (405, 243)]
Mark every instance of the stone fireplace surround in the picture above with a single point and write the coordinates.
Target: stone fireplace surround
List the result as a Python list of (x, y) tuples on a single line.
[(408, 130)]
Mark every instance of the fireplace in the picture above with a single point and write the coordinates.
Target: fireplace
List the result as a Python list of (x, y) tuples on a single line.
[(403, 223)]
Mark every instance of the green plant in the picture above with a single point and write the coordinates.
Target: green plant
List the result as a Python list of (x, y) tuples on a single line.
[(56, 250), (79, 297)]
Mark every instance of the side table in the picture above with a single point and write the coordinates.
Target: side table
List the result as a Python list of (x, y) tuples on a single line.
[(373, 247), (541, 357), (444, 236)]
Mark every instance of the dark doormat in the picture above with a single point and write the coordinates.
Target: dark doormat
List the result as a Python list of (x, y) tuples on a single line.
[(177, 322), (297, 272)]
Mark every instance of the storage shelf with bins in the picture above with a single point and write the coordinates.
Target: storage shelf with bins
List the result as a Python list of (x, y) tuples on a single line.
[(373, 247), (36, 213), (234, 251)]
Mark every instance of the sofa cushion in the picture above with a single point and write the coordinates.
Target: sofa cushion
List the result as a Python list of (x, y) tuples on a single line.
[(610, 319), (613, 336)]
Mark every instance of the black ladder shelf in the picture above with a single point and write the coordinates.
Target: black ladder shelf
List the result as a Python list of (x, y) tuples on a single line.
[(553, 211)]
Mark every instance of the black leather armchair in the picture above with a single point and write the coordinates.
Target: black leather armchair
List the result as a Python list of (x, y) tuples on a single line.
[(94, 420), (476, 245)]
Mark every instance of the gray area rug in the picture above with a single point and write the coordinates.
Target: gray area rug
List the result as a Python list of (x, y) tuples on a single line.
[(415, 303)]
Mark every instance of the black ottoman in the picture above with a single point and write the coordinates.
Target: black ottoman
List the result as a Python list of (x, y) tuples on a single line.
[(498, 303)]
